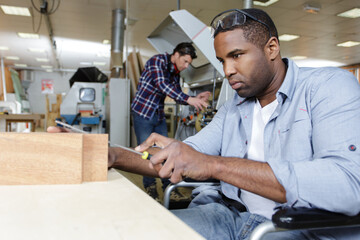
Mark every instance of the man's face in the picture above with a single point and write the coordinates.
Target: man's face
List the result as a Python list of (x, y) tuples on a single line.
[(245, 65), (182, 62)]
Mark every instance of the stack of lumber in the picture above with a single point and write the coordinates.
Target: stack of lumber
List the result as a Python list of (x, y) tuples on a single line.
[(135, 68)]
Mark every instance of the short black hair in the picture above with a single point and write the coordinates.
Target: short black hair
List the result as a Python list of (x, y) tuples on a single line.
[(185, 48), (253, 31)]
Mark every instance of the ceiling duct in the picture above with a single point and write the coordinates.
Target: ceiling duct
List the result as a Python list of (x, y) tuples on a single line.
[(248, 4), (182, 26), (117, 40)]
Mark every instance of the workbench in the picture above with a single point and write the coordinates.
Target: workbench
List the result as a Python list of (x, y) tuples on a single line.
[(7, 119), (113, 210)]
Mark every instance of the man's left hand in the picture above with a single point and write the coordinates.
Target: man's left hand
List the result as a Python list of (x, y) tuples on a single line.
[(177, 160)]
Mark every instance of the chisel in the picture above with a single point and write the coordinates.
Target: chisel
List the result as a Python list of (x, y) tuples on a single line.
[(144, 155)]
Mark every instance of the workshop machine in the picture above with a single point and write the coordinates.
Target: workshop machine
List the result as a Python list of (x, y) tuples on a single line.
[(84, 107), (204, 74)]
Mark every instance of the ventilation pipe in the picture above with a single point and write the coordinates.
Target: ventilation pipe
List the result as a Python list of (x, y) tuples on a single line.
[(117, 41), (3, 78), (248, 3)]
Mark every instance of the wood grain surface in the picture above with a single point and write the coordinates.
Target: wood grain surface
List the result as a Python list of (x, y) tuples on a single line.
[(40, 158)]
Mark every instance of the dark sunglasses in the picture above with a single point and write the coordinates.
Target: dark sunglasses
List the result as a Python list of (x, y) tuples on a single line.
[(238, 17)]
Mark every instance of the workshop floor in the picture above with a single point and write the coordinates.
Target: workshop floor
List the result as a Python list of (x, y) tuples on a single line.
[(137, 180)]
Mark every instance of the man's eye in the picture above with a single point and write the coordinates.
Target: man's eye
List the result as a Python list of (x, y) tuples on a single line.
[(236, 55)]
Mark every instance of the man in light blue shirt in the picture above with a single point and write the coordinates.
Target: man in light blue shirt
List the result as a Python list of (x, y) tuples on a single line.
[(308, 139)]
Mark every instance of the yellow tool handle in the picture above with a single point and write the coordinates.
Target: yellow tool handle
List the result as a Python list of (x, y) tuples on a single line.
[(146, 155)]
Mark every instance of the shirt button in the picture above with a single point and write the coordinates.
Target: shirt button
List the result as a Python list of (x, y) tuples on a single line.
[(352, 148)]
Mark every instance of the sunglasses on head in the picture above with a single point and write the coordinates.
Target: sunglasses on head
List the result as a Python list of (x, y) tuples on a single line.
[(231, 18)]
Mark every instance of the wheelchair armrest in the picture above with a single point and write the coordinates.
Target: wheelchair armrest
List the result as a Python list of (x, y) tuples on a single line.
[(210, 180), (300, 218)]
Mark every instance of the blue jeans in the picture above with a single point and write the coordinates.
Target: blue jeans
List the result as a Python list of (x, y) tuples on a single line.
[(213, 218), (143, 129), (215, 221)]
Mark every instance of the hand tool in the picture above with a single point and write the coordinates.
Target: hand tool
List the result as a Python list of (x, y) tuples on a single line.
[(144, 155)]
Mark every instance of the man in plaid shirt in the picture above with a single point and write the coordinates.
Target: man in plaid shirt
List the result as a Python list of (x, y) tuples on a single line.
[(159, 79)]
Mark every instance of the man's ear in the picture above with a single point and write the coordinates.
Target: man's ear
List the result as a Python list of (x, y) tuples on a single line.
[(272, 48)]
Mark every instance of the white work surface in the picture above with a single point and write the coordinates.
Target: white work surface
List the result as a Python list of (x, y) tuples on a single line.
[(112, 210)]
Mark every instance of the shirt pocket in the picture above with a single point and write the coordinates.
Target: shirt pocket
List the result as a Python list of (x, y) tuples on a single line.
[(295, 138)]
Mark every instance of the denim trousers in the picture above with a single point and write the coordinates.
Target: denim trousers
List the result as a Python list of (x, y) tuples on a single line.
[(212, 218), (143, 129)]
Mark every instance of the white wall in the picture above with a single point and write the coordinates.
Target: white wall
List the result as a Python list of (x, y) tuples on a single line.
[(37, 99)]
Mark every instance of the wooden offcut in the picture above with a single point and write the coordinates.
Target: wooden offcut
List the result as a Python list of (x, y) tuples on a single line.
[(52, 158), (95, 156)]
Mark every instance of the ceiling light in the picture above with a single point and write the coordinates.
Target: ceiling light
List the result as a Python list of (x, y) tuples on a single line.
[(40, 50), (353, 13), (312, 7), (48, 70), (85, 63), (42, 59), (99, 63), (288, 37), (298, 57), (106, 41), (348, 44), (46, 66), (20, 65), (12, 58), (4, 48), (28, 35), (264, 3), (19, 11), (103, 54)]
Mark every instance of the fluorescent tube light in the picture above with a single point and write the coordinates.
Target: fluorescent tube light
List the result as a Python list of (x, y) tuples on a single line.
[(20, 65), (353, 13), (288, 37), (40, 50), (12, 58), (99, 63), (46, 66), (42, 59), (4, 48), (12, 10), (86, 63), (348, 44), (28, 35), (264, 4), (298, 57)]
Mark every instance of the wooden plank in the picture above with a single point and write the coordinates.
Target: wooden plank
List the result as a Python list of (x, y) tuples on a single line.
[(95, 155), (40, 158), (140, 61)]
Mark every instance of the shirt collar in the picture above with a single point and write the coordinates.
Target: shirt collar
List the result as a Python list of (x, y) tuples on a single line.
[(171, 67), (288, 86)]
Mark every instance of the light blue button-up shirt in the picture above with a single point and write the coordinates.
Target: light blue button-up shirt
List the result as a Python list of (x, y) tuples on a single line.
[(312, 140)]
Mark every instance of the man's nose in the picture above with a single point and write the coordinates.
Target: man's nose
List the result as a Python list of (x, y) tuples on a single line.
[(229, 69)]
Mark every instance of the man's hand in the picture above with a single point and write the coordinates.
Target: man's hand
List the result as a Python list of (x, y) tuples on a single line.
[(204, 95), (177, 160), (53, 129), (198, 103)]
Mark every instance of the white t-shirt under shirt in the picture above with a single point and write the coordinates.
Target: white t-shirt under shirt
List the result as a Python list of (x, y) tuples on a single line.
[(255, 203)]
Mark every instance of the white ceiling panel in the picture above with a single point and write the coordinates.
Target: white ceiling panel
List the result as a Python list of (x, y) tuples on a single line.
[(88, 23)]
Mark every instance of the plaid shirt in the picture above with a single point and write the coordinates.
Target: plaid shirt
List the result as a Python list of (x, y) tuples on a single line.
[(158, 80)]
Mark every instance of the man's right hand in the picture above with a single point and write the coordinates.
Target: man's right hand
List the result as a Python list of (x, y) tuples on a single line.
[(198, 103)]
